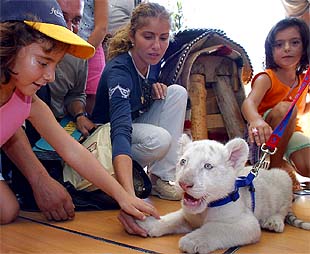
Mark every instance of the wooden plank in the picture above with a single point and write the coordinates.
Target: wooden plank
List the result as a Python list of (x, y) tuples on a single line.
[(215, 121), (104, 224), (229, 107), (27, 237)]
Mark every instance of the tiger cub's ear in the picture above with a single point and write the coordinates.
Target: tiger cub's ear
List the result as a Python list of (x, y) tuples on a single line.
[(183, 142), (238, 151)]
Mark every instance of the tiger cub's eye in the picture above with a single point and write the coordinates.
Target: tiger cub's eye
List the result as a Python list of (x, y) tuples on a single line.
[(208, 166), (182, 162)]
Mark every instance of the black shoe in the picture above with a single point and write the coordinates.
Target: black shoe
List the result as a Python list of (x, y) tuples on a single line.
[(141, 181)]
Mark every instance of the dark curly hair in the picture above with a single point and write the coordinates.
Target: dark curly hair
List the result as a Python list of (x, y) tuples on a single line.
[(14, 36), (270, 40)]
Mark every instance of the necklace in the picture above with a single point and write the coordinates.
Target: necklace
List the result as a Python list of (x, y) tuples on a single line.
[(144, 78), (292, 88)]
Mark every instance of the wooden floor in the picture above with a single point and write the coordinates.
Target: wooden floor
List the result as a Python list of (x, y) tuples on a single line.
[(101, 232)]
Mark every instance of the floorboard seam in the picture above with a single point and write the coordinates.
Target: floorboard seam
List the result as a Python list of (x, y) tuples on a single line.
[(92, 236)]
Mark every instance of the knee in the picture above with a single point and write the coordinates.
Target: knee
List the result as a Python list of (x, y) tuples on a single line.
[(9, 212), (159, 143), (164, 141), (305, 172), (301, 161), (179, 92)]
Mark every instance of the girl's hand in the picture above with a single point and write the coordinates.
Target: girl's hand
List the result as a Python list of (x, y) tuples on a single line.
[(137, 207), (130, 225), (259, 131), (159, 91), (133, 208)]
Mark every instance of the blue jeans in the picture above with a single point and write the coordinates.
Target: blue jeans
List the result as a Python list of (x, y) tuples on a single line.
[(156, 133)]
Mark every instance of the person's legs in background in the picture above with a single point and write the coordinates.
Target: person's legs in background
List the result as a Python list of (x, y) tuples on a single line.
[(95, 68)]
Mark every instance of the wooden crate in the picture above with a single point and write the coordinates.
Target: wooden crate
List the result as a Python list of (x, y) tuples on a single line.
[(224, 97)]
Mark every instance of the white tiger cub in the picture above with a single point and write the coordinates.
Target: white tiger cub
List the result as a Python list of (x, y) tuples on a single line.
[(206, 172)]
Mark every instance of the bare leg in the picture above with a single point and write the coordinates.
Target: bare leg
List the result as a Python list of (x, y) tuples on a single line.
[(273, 119), (9, 207), (302, 161)]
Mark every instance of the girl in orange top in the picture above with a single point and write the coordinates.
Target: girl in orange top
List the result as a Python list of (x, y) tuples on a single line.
[(286, 49)]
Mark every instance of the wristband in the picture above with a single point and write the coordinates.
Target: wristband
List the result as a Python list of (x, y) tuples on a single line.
[(80, 114)]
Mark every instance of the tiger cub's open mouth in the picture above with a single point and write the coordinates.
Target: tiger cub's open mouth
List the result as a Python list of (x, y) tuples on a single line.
[(188, 200)]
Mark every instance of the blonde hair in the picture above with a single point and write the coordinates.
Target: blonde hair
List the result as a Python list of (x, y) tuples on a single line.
[(120, 42)]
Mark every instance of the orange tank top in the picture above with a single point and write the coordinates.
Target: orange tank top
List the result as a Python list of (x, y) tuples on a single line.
[(280, 92)]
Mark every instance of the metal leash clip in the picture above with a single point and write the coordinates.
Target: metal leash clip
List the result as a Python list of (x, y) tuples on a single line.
[(264, 161)]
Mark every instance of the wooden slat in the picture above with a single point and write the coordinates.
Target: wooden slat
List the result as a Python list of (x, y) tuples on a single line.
[(215, 121), (229, 107), (28, 237)]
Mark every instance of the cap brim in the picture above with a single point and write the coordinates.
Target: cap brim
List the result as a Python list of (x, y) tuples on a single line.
[(78, 47)]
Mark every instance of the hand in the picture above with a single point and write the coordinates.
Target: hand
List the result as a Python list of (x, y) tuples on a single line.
[(53, 199), (259, 132), (159, 91), (130, 224), (84, 125), (132, 209)]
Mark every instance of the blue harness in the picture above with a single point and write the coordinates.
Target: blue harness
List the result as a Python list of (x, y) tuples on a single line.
[(241, 181)]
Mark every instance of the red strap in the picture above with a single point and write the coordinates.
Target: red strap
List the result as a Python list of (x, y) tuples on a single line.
[(276, 135)]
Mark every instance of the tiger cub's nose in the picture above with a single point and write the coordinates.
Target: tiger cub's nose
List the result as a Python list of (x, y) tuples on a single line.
[(185, 186)]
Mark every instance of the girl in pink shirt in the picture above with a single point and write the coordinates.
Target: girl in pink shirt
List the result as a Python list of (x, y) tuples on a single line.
[(29, 53)]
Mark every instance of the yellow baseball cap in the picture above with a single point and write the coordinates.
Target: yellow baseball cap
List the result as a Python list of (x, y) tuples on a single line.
[(46, 16)]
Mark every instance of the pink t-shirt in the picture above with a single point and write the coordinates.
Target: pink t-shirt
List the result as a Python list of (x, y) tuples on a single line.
[(13, 114)]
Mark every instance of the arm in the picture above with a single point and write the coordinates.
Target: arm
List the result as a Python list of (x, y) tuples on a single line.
[(83, 124), (79, 158), (101, 10), (51, 197), (123, 171), (75, 77), (250, 112), (121, 125)]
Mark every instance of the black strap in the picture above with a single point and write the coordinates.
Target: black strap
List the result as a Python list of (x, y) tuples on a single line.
[(137, 2)]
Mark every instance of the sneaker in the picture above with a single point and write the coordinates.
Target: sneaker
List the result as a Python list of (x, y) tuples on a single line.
[(166, 190)]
